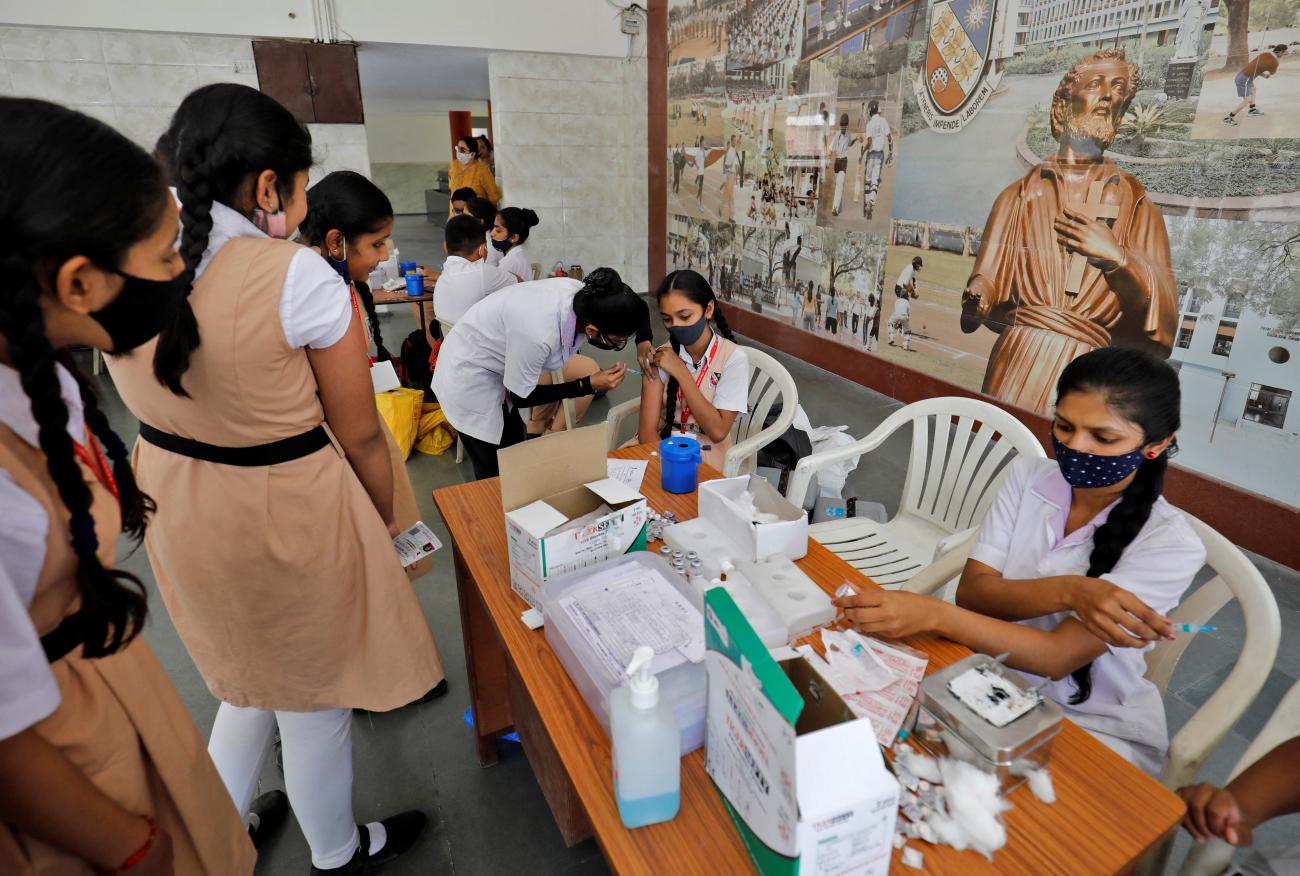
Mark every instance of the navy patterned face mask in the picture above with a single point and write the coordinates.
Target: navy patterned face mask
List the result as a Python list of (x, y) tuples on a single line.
[(1088, 470)]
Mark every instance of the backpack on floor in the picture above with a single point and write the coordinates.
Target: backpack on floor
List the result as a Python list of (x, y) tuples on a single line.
[(413, 361)]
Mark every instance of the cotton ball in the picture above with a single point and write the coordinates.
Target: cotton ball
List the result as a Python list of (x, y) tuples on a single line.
[(919, 765), (1040, 783), (975, 803), (950, 833)]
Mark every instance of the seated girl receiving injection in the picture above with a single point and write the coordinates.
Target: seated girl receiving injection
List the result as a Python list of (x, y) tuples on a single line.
[(1079, 559), (700, 382)]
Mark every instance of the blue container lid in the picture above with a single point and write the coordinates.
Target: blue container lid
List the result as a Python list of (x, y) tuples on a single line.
[(680, 448)]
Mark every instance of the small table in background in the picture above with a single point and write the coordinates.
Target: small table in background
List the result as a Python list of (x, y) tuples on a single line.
[(384, 298)]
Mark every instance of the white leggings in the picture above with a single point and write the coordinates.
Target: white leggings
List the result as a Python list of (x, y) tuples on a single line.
[(317, 749)]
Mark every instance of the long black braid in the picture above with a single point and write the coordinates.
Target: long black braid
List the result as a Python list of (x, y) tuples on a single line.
[(137, 506), (698, 290), (221, 136), (113, 603), (1143, 390), (72, 186), (372, 317)]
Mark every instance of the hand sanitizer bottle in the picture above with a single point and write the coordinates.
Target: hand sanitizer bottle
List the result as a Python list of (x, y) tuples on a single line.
[(647, 747)]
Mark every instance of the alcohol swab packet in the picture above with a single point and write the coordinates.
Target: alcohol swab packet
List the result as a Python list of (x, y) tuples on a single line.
[(415, 544)]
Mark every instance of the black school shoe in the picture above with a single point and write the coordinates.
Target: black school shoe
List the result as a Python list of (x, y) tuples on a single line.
[(403, 830), (266, 815), (438, 692)]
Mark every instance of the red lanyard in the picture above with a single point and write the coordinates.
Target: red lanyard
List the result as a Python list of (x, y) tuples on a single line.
[(97, 464), (699, 381), (356, 308)]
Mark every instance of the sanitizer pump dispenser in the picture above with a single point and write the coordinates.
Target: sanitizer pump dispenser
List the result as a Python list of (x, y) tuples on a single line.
[(647, 747)]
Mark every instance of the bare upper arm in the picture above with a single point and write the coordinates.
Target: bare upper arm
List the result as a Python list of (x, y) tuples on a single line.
[(346, 392)]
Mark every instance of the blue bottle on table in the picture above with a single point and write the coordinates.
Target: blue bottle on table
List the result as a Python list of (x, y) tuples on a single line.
[(679, 464), (414, 284)]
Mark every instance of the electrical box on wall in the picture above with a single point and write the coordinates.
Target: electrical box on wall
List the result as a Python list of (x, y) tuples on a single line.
[(631, 23)]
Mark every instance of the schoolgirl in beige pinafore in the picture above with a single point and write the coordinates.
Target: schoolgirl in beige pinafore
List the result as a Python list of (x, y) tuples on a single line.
[(281, 579), (406, 511), (119, 719)]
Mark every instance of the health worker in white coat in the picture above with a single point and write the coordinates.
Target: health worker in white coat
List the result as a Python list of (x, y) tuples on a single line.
[(492, 360)]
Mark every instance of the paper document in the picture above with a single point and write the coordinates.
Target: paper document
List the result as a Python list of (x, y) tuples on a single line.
[(876, 680), (415, 544), (628, 471), (628, 606)]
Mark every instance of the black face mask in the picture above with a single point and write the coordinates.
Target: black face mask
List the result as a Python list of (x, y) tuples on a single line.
[(502, 245), (139, 311)]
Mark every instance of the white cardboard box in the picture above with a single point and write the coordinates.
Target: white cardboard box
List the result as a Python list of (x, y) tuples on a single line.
[(549, 481), (788, 536), (802, 777)]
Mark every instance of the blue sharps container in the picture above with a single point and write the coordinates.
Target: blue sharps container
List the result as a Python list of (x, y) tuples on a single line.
[(679, 464)]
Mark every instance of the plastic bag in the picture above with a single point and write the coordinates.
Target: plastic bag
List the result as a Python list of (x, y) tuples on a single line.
[(435, 434), (830, 480), (400, 409)]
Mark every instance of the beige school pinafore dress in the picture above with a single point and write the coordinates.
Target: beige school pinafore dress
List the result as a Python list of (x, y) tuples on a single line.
[(119, 720), (282, 580), (406, 510)]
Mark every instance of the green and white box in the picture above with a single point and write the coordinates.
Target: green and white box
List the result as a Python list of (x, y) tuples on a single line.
[(802, 777), (563, 478)]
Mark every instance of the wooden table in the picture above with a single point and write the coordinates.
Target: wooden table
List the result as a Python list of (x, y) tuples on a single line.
[(384, 298), (1107, 813)]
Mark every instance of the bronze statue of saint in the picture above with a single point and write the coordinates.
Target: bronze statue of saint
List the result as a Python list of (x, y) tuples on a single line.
[(1074, 256)]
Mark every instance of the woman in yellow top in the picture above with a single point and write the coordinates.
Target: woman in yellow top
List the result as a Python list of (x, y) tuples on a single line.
[(470, 172)]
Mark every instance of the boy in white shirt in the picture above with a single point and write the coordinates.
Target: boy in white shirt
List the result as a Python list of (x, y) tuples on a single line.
[(878, 137), (466, 277)]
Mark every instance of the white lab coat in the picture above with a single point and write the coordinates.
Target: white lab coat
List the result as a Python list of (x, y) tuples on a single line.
[(1021, 537), (504, 343)]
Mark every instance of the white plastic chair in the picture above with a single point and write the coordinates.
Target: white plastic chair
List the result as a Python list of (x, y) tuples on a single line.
[(1236, 578), (952, 476), (1214, 857), (769, 383)]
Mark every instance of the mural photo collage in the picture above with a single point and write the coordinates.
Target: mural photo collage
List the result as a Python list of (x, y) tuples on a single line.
[(982, 190)]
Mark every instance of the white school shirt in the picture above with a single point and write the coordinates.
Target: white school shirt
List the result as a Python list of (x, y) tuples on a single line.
[(505, 342), (877, 133), (463, 284), (516, 262), (1022, 537), (315, 303), (28, 691), (840, 143), (907, 276), (730, 160), (732, 392)]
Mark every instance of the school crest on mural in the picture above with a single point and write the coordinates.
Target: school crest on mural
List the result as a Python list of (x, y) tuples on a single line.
[(957, 80)]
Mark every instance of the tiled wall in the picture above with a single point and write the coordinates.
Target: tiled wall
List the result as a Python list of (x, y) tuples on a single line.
[(571, 144), (134, 81)]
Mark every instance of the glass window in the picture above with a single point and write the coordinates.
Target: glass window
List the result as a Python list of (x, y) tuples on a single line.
[(1185, 332), (1267, 405), (1223, 338)]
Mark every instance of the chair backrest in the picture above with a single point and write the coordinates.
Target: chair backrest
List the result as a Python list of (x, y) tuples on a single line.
[(769, 384), (960, 448), (1236, 578)]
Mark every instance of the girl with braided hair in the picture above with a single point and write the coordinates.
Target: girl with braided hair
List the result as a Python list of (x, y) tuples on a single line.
[(701, 382), (1079, 560), (349, 222), (101, 766), (260, 439)]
